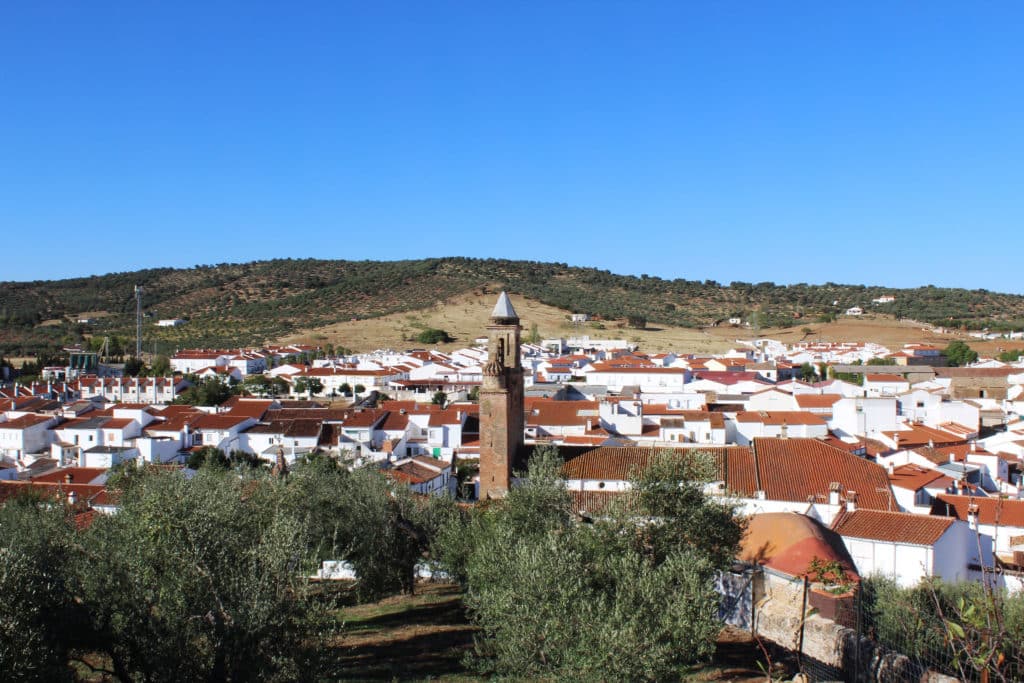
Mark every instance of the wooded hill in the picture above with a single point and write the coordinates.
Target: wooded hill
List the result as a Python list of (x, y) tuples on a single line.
[(253, 303)]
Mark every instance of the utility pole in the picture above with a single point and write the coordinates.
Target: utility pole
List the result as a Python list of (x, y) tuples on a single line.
[(138, 322)]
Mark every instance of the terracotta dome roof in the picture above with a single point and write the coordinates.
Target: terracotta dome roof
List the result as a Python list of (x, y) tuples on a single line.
[(788, 541)]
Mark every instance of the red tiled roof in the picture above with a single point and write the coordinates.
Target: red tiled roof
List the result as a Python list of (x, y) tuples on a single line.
[(79, 475), (412, 473), (117, 423), (410, 406), (445, 417), (25, 422), (1004, 511), (804, 469), (806, 401), (592, 502), (727, 377), (559, 413), (941, 454), (218, 422), (780, 417), (364, 418), (882, 377), (892, 527), (913, 477), (921, 435), (394, 422), (247, 407)]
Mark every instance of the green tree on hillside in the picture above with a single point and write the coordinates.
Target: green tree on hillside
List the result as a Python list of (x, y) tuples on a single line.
[(434, 336)]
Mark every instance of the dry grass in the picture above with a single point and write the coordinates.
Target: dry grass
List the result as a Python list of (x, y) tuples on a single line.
[(465, 318)]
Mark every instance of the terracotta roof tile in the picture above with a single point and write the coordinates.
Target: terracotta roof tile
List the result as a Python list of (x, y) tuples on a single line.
[(1004, 511), (804, 469), (892, 527)]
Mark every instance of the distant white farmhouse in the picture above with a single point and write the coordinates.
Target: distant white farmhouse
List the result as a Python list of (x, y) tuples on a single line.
[(170, 322), (856, 310)]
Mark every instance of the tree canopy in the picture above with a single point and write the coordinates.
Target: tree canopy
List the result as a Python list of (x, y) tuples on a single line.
[(959, 353), (629, 596)]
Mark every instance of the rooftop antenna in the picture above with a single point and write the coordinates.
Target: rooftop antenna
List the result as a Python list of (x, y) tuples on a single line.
[(138, 321)]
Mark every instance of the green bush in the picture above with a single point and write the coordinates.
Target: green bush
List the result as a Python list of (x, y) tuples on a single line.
[(433, 336)]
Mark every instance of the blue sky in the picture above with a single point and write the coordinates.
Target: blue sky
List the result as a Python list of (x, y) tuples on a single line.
[(875, 143)]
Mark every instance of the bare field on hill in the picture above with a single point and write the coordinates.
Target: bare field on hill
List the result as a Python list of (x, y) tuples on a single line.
[(465, 318)]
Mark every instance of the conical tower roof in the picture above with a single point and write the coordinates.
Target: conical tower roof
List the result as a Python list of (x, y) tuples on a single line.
[(503, 309)]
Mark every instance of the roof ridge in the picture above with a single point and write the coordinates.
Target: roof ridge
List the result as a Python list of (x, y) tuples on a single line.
[(757, 467)]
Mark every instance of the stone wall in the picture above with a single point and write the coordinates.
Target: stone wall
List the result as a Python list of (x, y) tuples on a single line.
[(828, 651)]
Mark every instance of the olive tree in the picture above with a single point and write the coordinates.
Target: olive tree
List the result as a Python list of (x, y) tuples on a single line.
[(39, 619), (629, 595), (209, 567)]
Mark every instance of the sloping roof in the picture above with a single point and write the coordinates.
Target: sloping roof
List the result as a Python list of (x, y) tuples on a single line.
[(1002, 511), (941, 454), (559, 413), (79, 475), (364, 418), (503, 308), (807, 401), (796, 470), (892, 527), (250, 407), (914, 477), (883, 377), (412, 473), (25, 422), (804, 469), (922, 435), (592, 502), (394, 422), (780, 417), (218, 422)]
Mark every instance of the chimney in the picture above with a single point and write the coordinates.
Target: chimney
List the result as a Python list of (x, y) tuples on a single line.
[(68, 478), (896, 438), (784, 432), (931, 443), (892, 468), (851, 501), (952, 457), (972, 516), (833, 493)]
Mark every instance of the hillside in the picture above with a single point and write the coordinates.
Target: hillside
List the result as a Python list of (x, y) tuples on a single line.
[(252, 303)]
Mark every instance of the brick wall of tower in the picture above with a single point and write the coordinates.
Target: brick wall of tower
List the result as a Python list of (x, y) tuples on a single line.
[(495, 461)]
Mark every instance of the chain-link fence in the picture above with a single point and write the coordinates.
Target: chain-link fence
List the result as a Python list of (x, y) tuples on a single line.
[(960, 631)]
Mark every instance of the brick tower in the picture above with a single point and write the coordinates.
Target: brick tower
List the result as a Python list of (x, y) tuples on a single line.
[(501, 402)]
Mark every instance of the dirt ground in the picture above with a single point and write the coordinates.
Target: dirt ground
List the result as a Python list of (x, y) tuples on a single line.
[(425, 637), (465, 319)]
